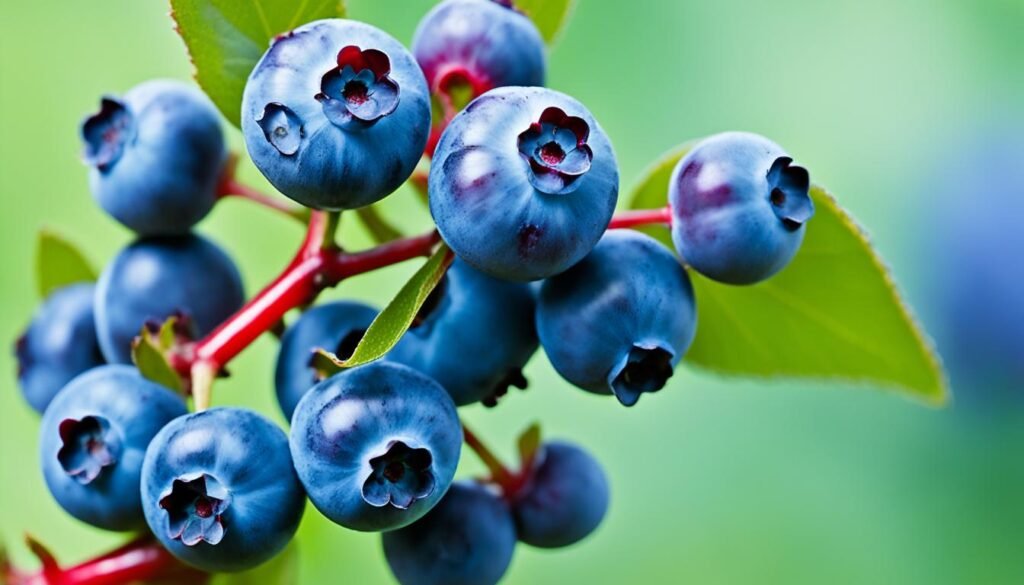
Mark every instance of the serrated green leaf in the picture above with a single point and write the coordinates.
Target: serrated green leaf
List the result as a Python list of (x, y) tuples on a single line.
[(529, 443), (833, 313), (550, 16), (226, 38), (280, 570), (149, 354), (379, 228), (394, 320), (59, 264)]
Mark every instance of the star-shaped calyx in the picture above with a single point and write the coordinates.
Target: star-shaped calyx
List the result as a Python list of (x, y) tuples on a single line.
[(358, 92), (195, 510), (556, 148), (399, 477), (106, 134), (790, 193), (89, 445)]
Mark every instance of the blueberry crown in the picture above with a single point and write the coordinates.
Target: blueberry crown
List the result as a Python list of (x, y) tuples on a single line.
[(89, 445), (106, 133), (556, 148), (790, 193), (195, 510), (358, 92), (401, 476)]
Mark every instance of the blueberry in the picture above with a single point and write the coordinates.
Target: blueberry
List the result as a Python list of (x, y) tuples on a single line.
[(523, 183), (156, 157), (471, 310), (468, 539), (739, 206), (336, 326), (376, 446), (219, 490), (336, 114), (155, 278), (565, 500), (482, 43), (620, 320), (93, 438), (58, 344)]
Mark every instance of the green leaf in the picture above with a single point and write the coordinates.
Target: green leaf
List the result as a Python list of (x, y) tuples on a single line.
[(380, 229), (280, 570), (833, 313), (226, 38), (529, 443), (149, 353), (59, 264), (550, 16), (393, 321)]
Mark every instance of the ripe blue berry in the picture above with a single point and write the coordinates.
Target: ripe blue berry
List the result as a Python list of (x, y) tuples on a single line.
[(336, 114), (92, 440), (376, 446), (58, 344), (739, 206), (565, 500), (620, 320), (523, 183), (155, 278), (482, 43), (157, 156), (336, 326), (219, 490), (472, 310), (467, 539)]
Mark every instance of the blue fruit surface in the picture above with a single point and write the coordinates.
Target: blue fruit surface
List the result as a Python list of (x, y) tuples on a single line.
[(336, 114), (565, 500), (219, 490), (92, 441), (619, 321), (476, 337), (523, 183), (156, 157), (155, 278), (376, 446), (739, 207), (58, 344), (336, 326), (467, 539)]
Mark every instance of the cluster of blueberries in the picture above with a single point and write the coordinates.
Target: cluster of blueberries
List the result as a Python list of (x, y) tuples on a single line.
[(522, 187)]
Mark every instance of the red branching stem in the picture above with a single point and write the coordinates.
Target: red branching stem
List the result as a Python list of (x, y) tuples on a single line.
[(509, 481), (140, 560), (232, 188), (628, 219)]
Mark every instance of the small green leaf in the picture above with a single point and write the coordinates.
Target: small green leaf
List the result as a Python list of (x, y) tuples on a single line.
[(833, 313), (59, 264), (280, 570), (149, 353), (529, 443), (380, 229), (226, 38), (393, 321), (550, 16)]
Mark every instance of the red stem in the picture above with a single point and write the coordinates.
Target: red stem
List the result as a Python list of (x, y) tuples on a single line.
[(140, 560), (634, 218), (232, 188), (500, 474)]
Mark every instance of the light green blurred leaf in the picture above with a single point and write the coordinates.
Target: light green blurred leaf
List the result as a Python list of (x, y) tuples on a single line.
[(550, 16), (280, 570), (394, 320), (59, 264), (528, 443), (149, 354), (833, 313), (226, 38)]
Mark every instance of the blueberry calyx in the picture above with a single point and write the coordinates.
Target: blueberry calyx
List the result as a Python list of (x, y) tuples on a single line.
[(89, 446), (195, 507), (282, 128), (556, 148), (790, 193), (513, 378), (401, 476), (106, 133), (645, 368), (358, 92)]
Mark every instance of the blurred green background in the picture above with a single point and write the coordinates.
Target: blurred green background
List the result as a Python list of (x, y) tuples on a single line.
[(714, 480)]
